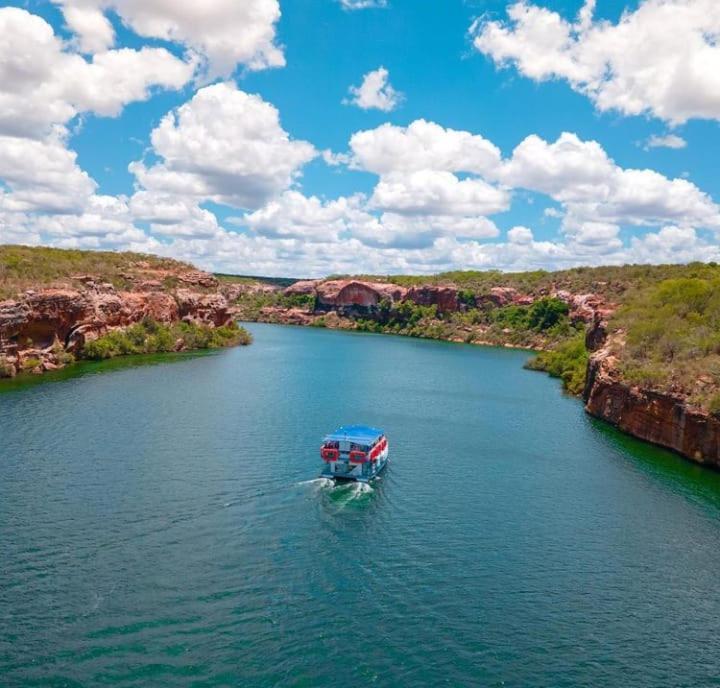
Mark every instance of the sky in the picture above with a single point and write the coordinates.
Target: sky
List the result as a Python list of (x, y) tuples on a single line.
[(309, 137)]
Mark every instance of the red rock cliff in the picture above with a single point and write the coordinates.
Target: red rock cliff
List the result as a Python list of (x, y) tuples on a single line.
[(662, 418), (39, 325)]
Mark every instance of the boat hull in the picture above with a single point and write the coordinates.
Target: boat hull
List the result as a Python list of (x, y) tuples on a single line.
[(340, 471)]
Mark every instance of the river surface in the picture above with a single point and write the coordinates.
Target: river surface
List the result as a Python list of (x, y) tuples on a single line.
[(160, 526)]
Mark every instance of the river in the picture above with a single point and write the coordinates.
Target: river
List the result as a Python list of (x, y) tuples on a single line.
[(160, 526)]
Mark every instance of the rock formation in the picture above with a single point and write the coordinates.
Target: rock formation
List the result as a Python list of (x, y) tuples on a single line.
[(662, 418), (355, 295), (40, 326)]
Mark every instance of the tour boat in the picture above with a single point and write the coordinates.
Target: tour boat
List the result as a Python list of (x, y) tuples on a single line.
[(354, 452)]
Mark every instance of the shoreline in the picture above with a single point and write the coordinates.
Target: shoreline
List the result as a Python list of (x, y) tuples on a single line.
[(676, 441)]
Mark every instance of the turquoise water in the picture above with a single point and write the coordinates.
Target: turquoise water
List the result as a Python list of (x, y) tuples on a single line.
[(160, 526)]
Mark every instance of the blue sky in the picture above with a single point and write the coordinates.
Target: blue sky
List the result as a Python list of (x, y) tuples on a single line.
[(634, 179)]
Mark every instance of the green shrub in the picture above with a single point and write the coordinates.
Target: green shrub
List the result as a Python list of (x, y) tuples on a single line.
[(6, 370), (30, 363), (61, 356), (152, 337), (672, 331), (568, 361)]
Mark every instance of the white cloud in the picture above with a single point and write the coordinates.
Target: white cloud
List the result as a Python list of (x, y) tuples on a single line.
[(42, 84), (93, 29), (294, 215), (662, 58), (667, 141), (223, 145), (437, 192), (520, 235), (594, 237), (224, 32), (422, 145), (375, 92), (42, 175), (362, 4), (592, 187), (672, 244)]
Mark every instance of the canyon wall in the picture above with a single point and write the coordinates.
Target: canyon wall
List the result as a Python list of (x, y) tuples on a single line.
[(659, 417), (41, 326)]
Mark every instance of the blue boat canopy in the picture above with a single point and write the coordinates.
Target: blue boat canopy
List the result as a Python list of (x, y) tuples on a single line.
[(360, 434)]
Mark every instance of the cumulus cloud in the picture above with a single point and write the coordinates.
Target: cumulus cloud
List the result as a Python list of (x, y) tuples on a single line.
[(224, 33), (580, 175), (42, 175), (663, 58), (422, 145), (42, 84), (520, 235), (226, 146), (375, 92), (437, 192), (294, 215), (668, 141)]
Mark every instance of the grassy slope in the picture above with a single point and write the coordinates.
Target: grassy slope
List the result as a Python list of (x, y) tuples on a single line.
[(611, 282), (24, 267)]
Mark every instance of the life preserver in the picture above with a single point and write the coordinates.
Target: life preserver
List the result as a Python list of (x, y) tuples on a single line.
[(329, 454), (357, 456)]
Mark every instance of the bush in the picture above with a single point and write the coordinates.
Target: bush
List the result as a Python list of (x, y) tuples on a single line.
[(152, 337), (673, 332), (6, 370), (30, 363), (568, 361)]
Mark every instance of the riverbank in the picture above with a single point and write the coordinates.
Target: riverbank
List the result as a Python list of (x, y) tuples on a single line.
[(62, 306), (639, 344)]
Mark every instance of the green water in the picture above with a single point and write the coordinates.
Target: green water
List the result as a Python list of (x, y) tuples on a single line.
[(160, 526)]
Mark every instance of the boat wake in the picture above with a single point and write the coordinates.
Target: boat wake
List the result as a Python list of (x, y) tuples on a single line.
[(318, 484), (349, 493)]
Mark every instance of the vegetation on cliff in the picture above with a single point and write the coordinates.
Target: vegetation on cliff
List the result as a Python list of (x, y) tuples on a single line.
[(611, 281), (57, 304), (31, 267), (149, 337), (672, 337), (539, 325), (567, 361)]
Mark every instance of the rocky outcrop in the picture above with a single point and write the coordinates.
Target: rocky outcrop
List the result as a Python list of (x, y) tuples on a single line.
[(40, 327), (585, 308), (505, 296), (355, 295), (663, 418), (302, 288), (232, 291), (207, 309), (447, 299)]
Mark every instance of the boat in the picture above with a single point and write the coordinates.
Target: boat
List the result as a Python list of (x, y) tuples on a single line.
[(354, 453)]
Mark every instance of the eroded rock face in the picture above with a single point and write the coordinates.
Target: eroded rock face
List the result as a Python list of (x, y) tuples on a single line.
[(446, 299), (41, 323), (207, 309), (585, 308), (347, 295), (662, 418)]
